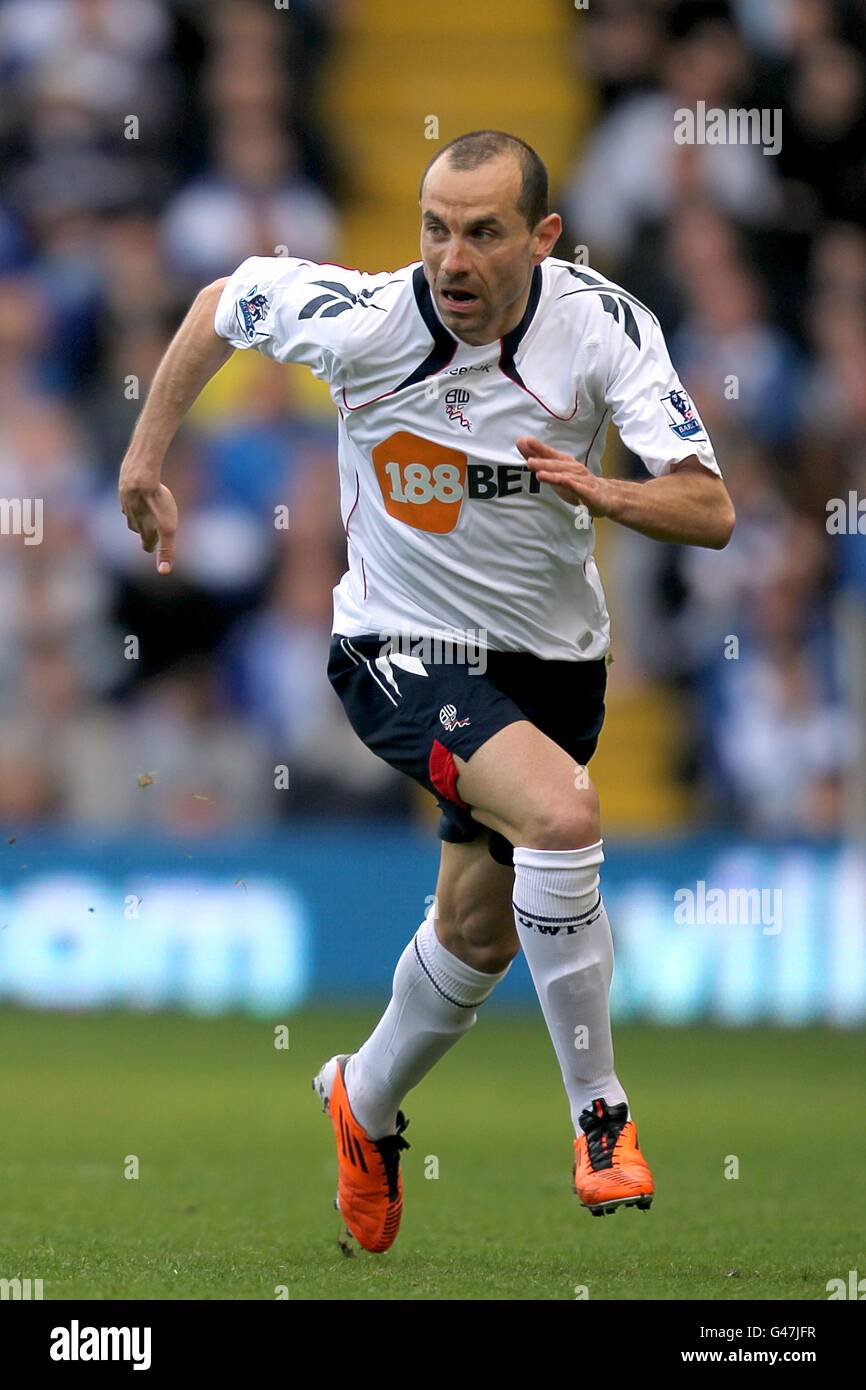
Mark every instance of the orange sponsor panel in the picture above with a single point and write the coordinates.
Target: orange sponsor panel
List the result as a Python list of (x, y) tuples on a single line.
[(423, 484)]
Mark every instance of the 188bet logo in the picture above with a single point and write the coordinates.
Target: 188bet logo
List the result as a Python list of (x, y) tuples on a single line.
[(423, 484)]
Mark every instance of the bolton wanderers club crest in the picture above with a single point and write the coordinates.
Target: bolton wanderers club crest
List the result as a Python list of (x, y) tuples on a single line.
[(455, 400), (448, 718)]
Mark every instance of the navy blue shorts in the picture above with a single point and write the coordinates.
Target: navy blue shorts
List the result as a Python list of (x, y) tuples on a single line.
[(416, 715)]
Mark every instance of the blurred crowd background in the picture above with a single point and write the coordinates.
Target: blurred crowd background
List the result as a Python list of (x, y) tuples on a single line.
[(147, 148)]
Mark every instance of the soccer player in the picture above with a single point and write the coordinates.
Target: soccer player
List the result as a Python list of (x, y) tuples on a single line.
[(474, 390)]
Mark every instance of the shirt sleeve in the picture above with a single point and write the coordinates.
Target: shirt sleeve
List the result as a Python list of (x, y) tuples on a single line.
[(296, 311), (655, 416)]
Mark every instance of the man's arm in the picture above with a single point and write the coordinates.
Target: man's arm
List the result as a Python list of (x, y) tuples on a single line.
[(685, 500), (288, 309), (688, 506), (194, 355)]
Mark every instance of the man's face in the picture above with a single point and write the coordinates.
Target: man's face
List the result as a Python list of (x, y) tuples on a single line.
[(477, 250)]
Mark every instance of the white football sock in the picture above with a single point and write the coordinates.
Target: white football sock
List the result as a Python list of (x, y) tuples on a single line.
[(565, 935), (432, 1005)]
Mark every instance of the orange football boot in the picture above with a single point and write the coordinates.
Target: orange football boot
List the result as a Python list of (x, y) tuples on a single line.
[(369, 1187), (609, 1169)]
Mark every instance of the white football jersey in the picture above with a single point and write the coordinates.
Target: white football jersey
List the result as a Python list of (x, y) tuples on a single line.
[(449, 534)]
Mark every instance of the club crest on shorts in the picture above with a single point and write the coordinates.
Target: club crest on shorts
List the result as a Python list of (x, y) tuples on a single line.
[(448, 718), (251, 310)]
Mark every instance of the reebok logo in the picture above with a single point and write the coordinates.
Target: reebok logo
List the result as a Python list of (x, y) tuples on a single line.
[(338, 300)]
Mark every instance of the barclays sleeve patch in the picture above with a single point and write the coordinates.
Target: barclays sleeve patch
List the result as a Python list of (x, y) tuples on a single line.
[(682, 416), (252, 308)]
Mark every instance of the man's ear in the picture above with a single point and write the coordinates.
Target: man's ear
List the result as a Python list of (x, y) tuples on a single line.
[(545, 235)]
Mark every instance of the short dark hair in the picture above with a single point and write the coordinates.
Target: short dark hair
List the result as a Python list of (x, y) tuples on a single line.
[(475, 148)]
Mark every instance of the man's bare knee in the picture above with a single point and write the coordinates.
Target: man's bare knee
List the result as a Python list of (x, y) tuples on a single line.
[(528, 788), (474, 917), (485, 943), (490, 957), (565, 822), (492, 945)]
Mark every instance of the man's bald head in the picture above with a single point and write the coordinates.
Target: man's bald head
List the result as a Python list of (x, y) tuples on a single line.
[(470, 151)]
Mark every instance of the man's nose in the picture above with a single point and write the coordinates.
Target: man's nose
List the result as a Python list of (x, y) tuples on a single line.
[(455, 261)]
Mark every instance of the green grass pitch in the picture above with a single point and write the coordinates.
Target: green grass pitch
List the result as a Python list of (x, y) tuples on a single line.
[(237, 1165)]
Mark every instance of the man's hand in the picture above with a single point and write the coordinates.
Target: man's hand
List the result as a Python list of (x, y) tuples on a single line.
[(151, 511), (688, 505), (571, 480), (194, 355)]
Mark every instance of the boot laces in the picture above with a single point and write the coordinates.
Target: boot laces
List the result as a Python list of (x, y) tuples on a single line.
[(389, 1149)]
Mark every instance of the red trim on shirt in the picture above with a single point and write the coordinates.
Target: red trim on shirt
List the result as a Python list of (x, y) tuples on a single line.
[(354, 504)]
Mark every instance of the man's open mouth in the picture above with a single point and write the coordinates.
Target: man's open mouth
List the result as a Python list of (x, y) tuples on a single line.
[(453, 296)]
